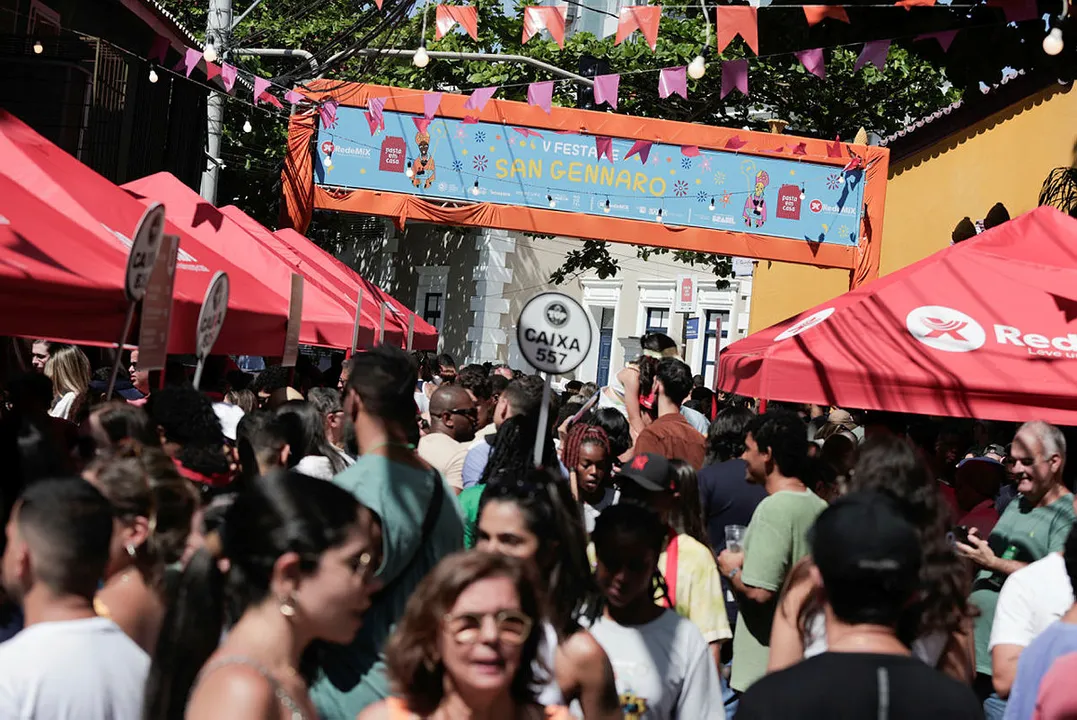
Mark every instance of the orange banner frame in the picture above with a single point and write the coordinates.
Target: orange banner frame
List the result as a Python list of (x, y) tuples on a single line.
[(301, 196)]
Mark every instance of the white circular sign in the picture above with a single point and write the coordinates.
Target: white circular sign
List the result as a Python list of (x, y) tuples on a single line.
[(554, 333), (144, 248), (805, 324), (946, 329), (211, 316)]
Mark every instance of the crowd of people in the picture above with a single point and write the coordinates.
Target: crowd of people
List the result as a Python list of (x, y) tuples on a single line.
[(373, 540)]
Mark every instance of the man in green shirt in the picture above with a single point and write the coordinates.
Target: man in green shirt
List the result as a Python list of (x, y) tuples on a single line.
[(1033, 525), (777, 537)]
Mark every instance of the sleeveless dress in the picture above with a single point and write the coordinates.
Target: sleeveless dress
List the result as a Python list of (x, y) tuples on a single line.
[(289, 703)]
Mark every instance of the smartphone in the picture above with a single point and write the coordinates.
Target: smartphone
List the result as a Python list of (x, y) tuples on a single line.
[(960, 534)]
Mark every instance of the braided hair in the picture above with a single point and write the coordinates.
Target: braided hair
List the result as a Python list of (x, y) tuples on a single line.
[(578, 436), (511, 455), (632, 519)]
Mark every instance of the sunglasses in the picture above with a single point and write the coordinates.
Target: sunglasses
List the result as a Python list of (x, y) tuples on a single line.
[(470, 413), (513, 627)]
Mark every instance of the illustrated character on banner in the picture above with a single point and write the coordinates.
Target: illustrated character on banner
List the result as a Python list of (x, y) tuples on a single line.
[(422, 167), (755, 207)]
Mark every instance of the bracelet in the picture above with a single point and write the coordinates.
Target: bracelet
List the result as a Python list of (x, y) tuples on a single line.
[(733, 573)]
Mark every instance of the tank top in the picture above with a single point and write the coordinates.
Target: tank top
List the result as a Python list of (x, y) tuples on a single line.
[(548, 694), (399, 711), (295, 712)]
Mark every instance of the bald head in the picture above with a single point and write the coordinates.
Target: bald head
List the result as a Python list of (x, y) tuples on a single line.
[(453, 413)]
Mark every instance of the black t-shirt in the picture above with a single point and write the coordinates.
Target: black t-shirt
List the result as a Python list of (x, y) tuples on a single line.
[(859, 686)]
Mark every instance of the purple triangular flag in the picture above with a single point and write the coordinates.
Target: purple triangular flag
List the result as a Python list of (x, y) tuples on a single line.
[(292, 97), (641, 148), (327, 113), (228, 76), (431, 101), (945, 38), (673, 81), (376, 106), (813, 61), (604, 146), (734, 77), (260, 86), (540, 94), (479, 98), (606, 89), (190, 61), (158, 50), (874, 52)]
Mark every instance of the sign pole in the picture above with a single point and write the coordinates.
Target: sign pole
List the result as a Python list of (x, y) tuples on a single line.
[(358, 323), (381, 323), (411, 330), (119, 349), (543, 421)]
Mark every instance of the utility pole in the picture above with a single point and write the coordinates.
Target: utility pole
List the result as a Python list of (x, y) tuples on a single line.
[(218, 24)]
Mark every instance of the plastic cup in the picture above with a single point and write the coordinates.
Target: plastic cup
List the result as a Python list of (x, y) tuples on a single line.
[(734, 538)]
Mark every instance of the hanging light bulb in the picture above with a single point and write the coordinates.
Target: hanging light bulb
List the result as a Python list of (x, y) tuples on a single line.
[(409, 172), (659, 219), (153, 75), (475, 189), (421, 58), (801, 192), (328, 162), (1052, 44), (39, 48), (697, 68), (606, 209), (549, 199), (841, 179), (247, 125), (210, 54), (711, 206)]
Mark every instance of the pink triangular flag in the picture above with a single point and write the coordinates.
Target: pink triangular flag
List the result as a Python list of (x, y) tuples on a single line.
[(293, 98), (228, 76), (190, 60), (945, 38), (327, 113), (644, 18), (733, 20), (813, 61), (874, 52), (546, 17), (540, 94), (641, 148), (527, 132), (470, 120), (271, 99), (431, 101), (690, 150), (158, 50), (376, 106), (260, 86), (606, 89), (421, 123), (734, 77), (800, 149), (834, 150), (604, 147), (212, 70), (673, 81), (479, 97), (735, 143)]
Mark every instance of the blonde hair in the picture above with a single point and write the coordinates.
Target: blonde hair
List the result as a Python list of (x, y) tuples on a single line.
[(69, 369)]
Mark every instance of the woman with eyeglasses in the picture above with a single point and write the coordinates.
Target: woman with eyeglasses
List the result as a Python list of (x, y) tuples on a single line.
[(535, 519), (467, 644)]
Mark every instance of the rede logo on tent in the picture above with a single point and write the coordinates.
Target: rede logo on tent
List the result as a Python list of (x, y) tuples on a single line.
[(945, 329)]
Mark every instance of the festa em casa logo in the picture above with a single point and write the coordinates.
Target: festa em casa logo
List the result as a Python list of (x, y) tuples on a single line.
[(945, 329)]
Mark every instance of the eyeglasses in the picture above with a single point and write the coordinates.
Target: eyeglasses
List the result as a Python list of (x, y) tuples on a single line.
[(513, 627), (470, 413)]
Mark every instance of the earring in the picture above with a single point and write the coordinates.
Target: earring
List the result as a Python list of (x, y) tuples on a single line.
[(287, 607), (130, 549)]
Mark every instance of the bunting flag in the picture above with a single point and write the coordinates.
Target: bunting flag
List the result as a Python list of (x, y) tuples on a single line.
[(527, 132), (834, 150), (212, 70), (736, 20), (260, 86), (639, 17), (448, 15), (734, 77), (421, 123), (800, 148), (431, 102), (293, 98), (374, 106), (813, 61), (874, 52), (735, 143), (372, 122), (641, 148), (228, 76), (690, 150), (945, 38), (470, 120), (271, 99), (815, 14), (606, 87), (378, 3), (159, 50), (546, 17), (190, 60), (327, 113), (478, 99), (540, 94), (673, 81), (604, 147)]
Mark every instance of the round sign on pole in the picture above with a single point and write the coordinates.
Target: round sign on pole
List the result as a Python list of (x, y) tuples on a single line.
[(144, 249), (211, 316), (554, 333)]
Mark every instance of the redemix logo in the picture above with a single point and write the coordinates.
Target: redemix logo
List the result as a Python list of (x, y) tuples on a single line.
[(945, 329), (805, 324)]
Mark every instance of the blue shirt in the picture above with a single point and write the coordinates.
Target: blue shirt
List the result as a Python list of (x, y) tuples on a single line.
[(475, 463), (1060, 638), (696, 419)]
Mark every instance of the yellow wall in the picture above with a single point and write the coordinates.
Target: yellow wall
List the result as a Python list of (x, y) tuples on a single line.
[(1004, 158)]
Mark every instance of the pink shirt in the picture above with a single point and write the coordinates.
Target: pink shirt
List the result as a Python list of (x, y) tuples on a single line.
[(1057, 699)]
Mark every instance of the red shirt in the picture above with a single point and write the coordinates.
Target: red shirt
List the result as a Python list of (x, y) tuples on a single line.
[(674, 438)]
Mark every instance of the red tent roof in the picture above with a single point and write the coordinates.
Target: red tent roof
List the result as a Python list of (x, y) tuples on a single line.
[(424, 335), (107, 215), (983, 329), (325, 321)]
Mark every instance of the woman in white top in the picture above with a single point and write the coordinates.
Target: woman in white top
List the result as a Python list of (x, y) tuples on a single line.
[(630, 388), (69, 369), (938, 627), (309, 450)]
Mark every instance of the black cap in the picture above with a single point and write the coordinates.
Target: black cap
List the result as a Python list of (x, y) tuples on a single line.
[(648, 471), (866, 552)]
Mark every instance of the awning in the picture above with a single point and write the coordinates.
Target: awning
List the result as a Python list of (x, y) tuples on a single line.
[(984, 329)]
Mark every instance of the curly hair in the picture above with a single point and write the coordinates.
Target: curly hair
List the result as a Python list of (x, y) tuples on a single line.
[(272, 378), (616, 426), (578, 436), (511, 455)]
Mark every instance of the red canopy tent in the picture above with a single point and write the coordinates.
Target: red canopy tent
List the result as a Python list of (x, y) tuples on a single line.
[(107, 216), (325, 321), (424, 335), (983, 329)]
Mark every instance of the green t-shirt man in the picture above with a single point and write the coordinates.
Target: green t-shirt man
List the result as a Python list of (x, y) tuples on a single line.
[(1023, 533), (469, 501), (777, 538)]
